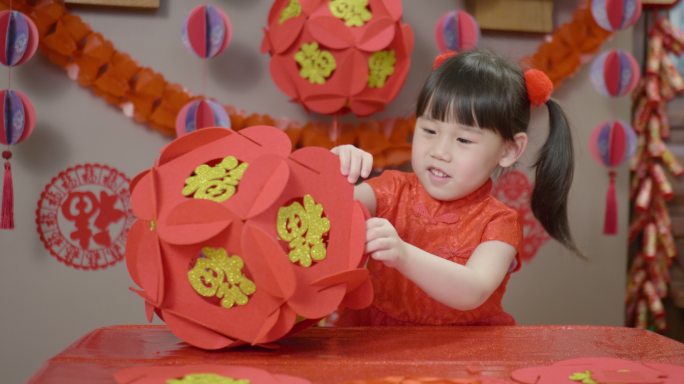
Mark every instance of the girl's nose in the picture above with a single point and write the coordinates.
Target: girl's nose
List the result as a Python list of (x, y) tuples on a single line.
[(441, 150)]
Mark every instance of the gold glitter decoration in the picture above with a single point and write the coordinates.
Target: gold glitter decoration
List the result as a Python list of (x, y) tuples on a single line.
[(217, 183), (153, 225), (217, 274), (380, 67), (582, 377), (316, 65), (293, 9), (355, 13), (206, 378), (303, 228)]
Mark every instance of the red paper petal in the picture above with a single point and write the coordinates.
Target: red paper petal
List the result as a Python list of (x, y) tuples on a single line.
[(268, 262), (191, 141), (146, 259), (196, 334), (325, 104), (272, 139), (282, 36), (194, 221), (330, 32), (393, 7), (352, 278), (360, 298), (377, 34), (260, 186), (285, 321), (144, 195)]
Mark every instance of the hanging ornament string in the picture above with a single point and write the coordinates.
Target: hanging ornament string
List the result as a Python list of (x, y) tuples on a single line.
[(19, 37), (146, 96)]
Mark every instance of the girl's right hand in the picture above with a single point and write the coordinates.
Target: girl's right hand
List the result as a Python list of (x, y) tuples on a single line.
[(354, 162)]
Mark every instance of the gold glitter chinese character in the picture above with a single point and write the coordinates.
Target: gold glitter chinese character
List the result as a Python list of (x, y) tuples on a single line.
[(380, 67), (583, 377), (217, 183), (293, 9), (303, 227), (316, 65), (354, 12), (206, 378), (217, 274)]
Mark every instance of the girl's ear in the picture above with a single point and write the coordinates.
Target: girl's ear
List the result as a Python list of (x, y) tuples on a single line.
[(513, 149)]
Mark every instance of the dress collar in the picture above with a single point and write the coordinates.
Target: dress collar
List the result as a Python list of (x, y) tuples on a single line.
[(447, 212)]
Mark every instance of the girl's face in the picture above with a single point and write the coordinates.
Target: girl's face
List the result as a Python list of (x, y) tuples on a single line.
[(452, 160)]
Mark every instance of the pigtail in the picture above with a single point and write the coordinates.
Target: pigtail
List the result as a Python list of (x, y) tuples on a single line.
[(553, 177)]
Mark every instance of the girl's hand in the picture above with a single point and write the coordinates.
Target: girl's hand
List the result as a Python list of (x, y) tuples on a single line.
[(383, 243), (354, 162)]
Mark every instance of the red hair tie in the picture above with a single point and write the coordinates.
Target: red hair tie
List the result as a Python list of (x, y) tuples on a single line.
[(539, 86), (441, 58)]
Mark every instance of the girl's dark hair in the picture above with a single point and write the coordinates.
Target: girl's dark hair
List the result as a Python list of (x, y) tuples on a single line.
[(479, 88)]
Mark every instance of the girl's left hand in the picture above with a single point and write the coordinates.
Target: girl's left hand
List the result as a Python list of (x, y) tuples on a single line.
[(383, 243)]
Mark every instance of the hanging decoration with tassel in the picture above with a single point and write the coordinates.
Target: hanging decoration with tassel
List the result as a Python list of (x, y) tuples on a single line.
[(19, 39), (611, 144)]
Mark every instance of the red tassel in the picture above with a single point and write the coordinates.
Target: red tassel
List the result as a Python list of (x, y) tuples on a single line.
[(610, 220), (7, 219)]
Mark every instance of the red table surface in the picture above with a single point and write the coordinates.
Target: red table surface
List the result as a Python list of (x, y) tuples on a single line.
[(336, 355)]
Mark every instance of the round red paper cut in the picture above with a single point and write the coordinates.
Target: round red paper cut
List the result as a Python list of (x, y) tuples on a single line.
[(84, 215)]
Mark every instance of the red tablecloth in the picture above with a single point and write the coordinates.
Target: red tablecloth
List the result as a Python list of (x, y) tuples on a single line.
[(335, 355)]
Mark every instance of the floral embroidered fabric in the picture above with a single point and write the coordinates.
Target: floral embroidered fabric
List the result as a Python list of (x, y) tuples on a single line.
[(451, 230)]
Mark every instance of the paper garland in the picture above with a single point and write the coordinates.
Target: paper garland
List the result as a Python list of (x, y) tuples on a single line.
[(144, 95)]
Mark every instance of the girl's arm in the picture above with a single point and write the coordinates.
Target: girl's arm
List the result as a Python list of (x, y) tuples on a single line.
[(462, 287)]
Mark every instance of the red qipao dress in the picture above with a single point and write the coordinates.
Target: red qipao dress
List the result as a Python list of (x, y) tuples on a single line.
[(448, 229)]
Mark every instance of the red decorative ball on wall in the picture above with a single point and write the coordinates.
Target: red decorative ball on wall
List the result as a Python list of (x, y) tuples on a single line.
[(338, 56)]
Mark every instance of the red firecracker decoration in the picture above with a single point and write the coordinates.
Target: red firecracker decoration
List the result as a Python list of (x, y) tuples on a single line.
[(651, 227)]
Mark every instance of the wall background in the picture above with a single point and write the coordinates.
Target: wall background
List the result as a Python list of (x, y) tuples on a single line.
[(45, 306)]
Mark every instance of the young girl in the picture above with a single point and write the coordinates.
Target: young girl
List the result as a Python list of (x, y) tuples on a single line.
[(441, 247)]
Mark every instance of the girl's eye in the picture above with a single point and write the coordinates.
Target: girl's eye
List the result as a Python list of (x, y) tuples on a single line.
[(429, 131), (464, 141)]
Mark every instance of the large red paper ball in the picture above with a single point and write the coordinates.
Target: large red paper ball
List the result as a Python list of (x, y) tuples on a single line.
[(613, 15), (19, 38), (612, 143), (457, 31), (337, 56), (240, 241), (615, 73), (18, 117), (199, 114), (207, 31)]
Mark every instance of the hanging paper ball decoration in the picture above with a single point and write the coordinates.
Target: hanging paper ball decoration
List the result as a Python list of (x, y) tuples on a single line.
[(18, 117), (614, 15), (611, 144), (615, 73), (19, 38), (207, 31), (201, 113), (457, 31), (337, 56)]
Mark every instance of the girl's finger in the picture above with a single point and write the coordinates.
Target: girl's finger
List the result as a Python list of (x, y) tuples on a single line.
[(344, 161), (375, 245), (367, 165), (354, 167)]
